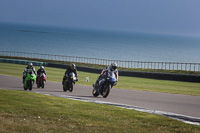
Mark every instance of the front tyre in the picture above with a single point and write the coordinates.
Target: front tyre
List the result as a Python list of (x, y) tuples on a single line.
[(38, 86), (71, 87), (43, 84), (64, 89), (31, 85), (106, 90)]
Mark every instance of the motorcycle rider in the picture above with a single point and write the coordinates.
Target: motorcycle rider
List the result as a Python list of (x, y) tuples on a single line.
[(70, 69), (112, 67), (28, 69), (39, 71)]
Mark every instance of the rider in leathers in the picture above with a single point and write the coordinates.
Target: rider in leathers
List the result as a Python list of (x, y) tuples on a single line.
[(39, 71), (28, 69), (112, 67), (70, 69)]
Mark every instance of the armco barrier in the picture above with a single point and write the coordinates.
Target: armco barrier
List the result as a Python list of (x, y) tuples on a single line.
[(24, 62), (163, 76), (150, 75)]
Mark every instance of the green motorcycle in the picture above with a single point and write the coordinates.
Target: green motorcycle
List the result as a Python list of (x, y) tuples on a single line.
[(29, 81)]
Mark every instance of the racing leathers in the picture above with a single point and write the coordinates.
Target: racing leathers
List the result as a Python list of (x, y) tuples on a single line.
[(39, 71)]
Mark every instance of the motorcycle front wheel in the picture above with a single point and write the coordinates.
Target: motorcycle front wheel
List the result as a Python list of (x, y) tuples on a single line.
[(38, 85), (106, 90), (71, 87), (43, 84), (64, 89), (31, 85)]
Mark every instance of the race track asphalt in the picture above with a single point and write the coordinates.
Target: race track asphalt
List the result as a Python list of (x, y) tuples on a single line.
[(174, 103)]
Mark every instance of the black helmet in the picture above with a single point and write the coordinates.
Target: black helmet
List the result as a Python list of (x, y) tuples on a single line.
[(73, 66), (30, 64), (113, 66), (41, 67)]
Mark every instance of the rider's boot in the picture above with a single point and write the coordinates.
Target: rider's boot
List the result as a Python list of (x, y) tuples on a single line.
[(23, 80), (64, 78), (37, 80), (95, 83)]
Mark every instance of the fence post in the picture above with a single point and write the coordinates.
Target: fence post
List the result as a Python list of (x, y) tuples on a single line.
[(199, 67)]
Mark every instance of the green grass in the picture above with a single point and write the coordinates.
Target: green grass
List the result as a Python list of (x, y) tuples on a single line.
[(166, 86), (21, 111)]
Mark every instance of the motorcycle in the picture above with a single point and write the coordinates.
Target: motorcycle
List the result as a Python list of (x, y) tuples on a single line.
[(69, 82), (105, 85), (41, 80), (29, 81)]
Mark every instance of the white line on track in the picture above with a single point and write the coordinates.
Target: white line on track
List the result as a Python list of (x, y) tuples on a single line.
[(183, 118)]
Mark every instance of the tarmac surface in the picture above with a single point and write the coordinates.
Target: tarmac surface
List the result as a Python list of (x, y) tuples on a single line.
[(182, 107)]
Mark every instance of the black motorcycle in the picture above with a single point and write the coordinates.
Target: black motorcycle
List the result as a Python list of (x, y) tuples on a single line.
[(69, 82)]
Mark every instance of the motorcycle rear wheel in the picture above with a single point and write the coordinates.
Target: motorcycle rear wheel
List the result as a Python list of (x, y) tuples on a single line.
[(65, 84)]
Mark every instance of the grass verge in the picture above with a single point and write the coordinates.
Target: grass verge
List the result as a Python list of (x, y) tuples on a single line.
[(22, 111), (165, 86)]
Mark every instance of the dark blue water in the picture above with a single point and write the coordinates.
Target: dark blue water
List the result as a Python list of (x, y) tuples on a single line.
[(99, 44)]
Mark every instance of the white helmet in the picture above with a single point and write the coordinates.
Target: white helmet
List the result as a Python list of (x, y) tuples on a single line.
[(30, 64), (41, 67), (73, 66), (113, 66)]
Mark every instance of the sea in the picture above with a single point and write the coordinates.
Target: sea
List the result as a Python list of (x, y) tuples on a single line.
[(102, 44)]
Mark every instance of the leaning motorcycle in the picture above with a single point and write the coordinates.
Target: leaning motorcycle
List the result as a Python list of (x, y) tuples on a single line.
[(41, 80), (69, 82), (105, 85), (29, 81)]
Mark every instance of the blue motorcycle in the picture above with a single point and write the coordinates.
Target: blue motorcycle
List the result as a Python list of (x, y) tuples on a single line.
[(105, 85)]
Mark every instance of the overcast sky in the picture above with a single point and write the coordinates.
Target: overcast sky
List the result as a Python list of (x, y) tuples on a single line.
[(165, 16)]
